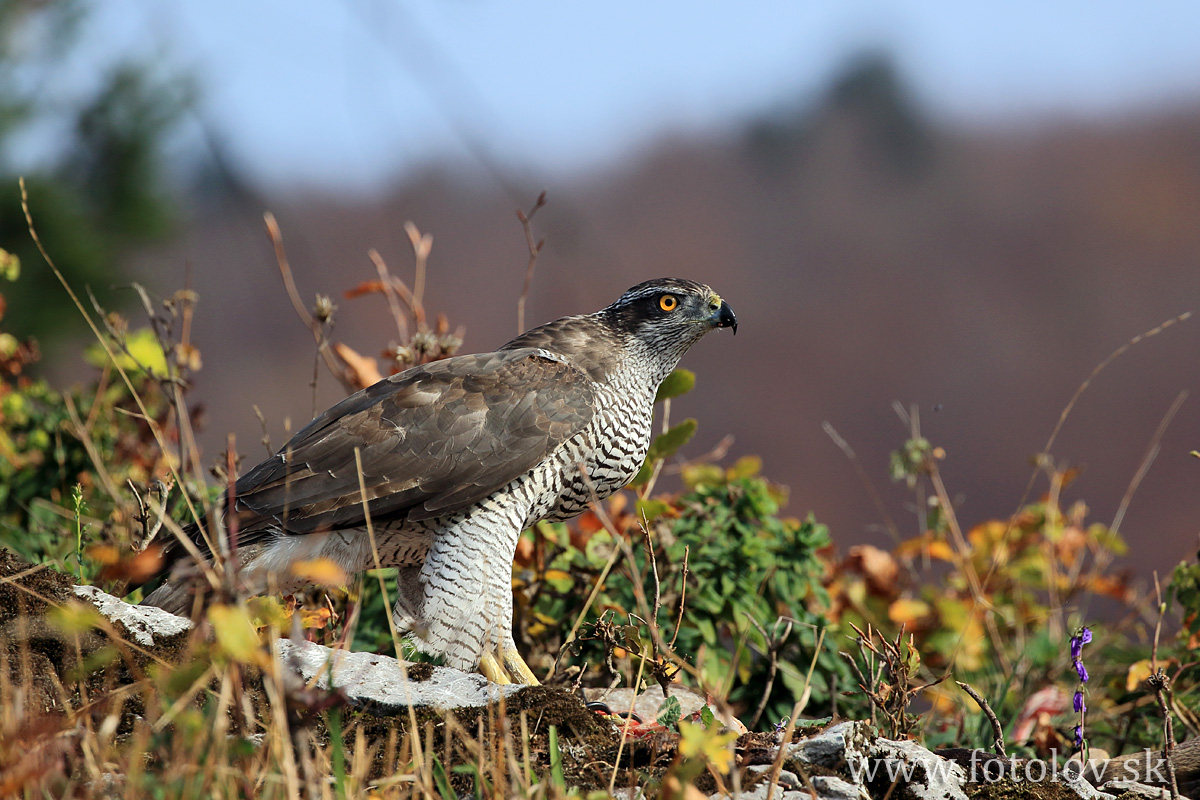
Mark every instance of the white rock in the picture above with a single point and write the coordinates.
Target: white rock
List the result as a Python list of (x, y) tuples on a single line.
[(926, 775), (788, 780), (1084, 789), (144, 623), (1120, 787), (828, 748), (367, 676), (833, 788), (363, 676)]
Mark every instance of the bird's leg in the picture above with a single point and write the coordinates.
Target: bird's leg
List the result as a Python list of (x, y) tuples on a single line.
[(514, 669), (518, 668), (489, 665)]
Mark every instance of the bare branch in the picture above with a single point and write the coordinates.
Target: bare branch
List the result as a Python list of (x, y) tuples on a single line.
[(997, 728), (535, 247), (313, 324)]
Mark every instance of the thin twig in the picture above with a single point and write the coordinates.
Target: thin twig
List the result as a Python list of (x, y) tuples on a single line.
[(774, 642), (1162, 610), (1104, 556), (997, 728), (1161, 684), (682, 594), (389, 293), (422, 244), (154, 428), (314, 325), (777, 765), (864, 479), (535, 247)]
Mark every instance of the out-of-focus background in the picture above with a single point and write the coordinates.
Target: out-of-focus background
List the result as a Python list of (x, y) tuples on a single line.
[(962, 207)]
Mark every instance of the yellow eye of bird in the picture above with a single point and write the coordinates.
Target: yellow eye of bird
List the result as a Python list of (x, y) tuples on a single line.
[(668, 302)]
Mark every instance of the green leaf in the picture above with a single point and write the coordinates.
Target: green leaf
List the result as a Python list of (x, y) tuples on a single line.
[(698, 474), (10, 269), (678, 382), (669, 713), (556, 759), (665, 445), (339, 754), (652, 509), (144, 352), (712, 746), (442, 781), (745, 467), (1108, 539)]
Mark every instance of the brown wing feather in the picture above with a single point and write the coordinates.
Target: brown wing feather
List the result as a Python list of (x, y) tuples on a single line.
[(434, 439)]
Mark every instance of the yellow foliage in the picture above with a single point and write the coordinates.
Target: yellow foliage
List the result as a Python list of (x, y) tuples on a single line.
[(1138, 672), (142, 352), (908, 610), (321, 571), (75, 617), (236, 635), (712, 745)]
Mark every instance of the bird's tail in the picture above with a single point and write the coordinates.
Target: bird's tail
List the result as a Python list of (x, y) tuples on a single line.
[(179, 572)]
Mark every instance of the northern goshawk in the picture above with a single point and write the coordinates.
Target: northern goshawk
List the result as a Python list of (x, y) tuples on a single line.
[(457, 457)]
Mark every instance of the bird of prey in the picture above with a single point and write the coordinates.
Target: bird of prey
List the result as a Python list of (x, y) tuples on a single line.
[(453, 459)]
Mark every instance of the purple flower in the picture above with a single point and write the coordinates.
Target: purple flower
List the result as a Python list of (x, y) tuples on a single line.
[(1082, 637), (1078, 641)]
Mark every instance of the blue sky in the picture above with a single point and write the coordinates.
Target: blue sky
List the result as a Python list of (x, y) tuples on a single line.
[(353, 93)]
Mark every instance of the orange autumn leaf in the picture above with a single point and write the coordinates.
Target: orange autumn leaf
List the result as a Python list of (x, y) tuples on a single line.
[(315, 618), (877, 566), (132, 567), (364, 370), (1138, 672), (925, 546), (1114, 586), (588, 523), (364, 288), (907, 611), (988, 533), (1071, 544), (524, 554)]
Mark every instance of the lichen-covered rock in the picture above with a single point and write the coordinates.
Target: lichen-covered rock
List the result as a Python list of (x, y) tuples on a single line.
[(830, 747), (386, 683), (830, 787), (924, 774), (146, 624)]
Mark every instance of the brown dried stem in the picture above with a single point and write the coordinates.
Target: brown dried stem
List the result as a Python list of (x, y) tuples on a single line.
[(312, 323), (997, 728), (535, 247)]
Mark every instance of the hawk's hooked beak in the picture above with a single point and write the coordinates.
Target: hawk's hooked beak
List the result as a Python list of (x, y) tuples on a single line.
[(723, 316)]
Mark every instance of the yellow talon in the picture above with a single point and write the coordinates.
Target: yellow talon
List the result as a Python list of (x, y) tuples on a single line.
[(492, 670), (519, 669)]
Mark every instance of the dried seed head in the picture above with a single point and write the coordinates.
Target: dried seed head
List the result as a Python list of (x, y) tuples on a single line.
[(323, 308), (424, 343)]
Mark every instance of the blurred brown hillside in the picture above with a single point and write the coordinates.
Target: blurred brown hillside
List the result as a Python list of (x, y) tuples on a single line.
[(870, 257)]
